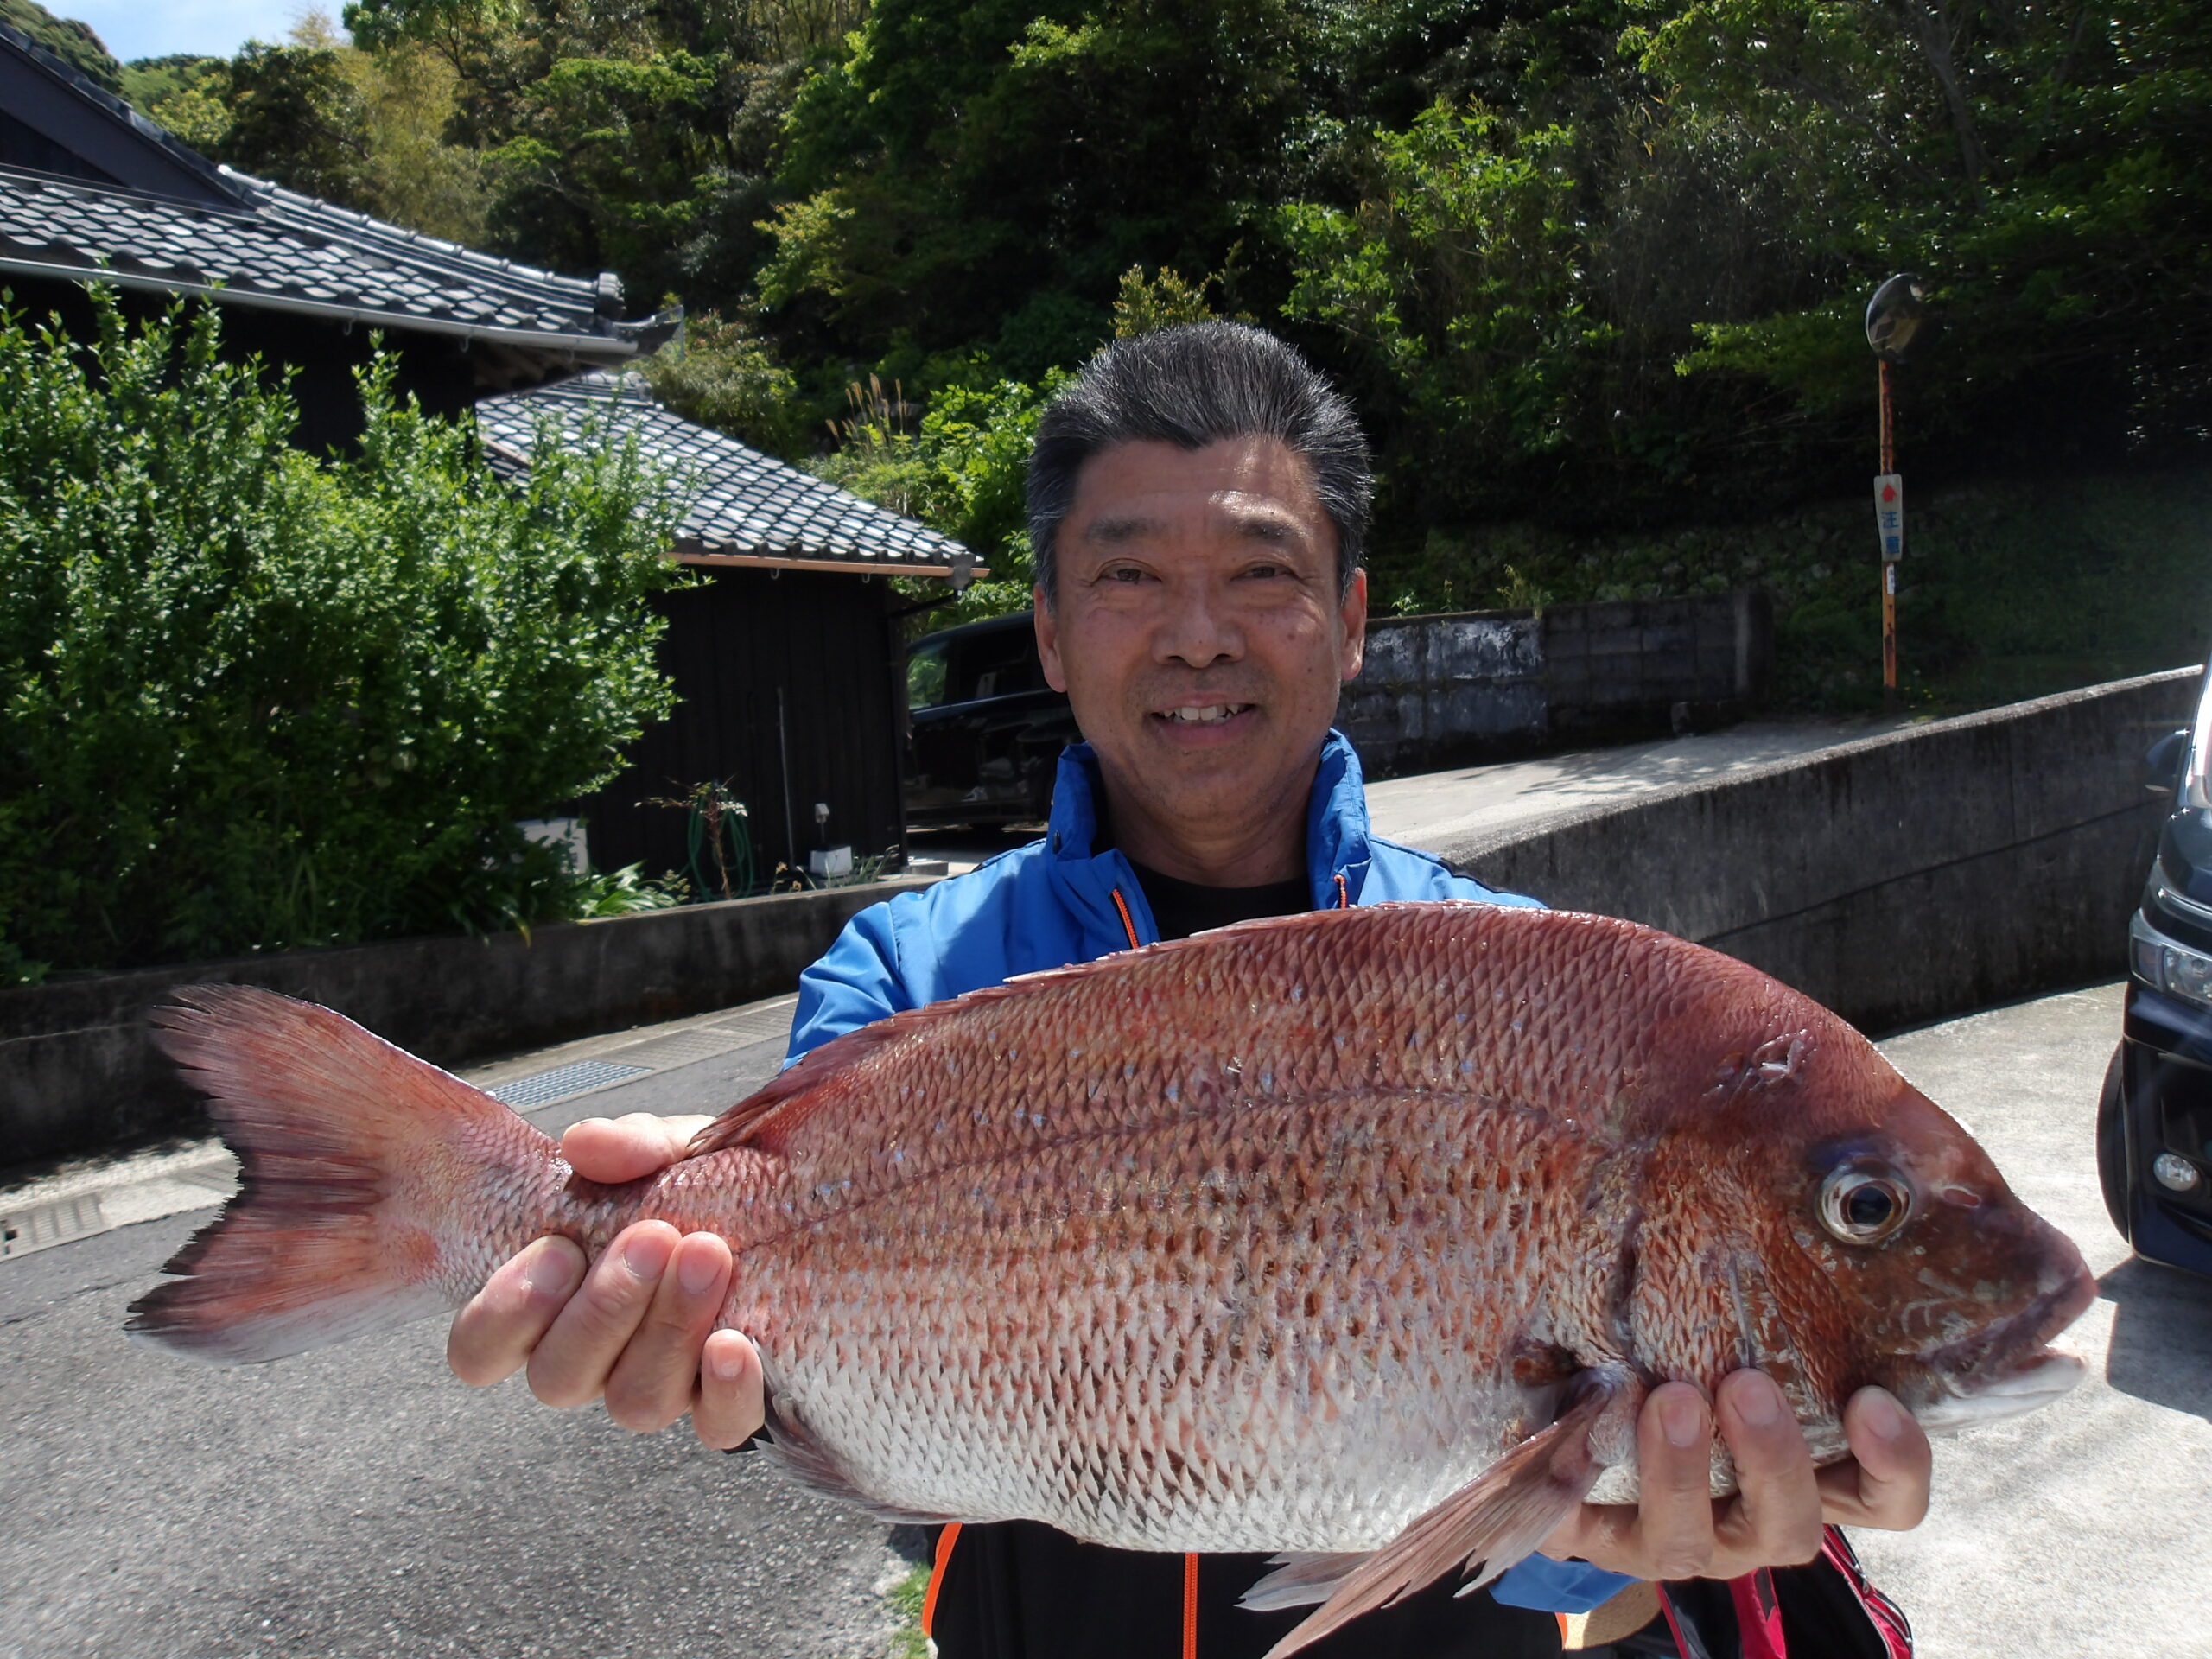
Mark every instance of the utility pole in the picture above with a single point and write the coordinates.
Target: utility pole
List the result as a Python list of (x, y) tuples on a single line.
[(1894, 315)]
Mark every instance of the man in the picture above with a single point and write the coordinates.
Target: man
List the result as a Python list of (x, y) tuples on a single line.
[(1197, 500)]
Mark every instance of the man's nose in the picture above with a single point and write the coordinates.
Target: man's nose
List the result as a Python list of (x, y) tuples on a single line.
[(1198, 629)]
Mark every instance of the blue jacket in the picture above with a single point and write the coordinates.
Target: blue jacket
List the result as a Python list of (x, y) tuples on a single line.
[(1053, 902)]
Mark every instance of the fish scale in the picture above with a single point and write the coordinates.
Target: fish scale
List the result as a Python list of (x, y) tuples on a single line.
[(1357, 1235)]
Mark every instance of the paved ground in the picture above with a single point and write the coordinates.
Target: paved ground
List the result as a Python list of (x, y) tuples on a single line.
[(359, 1502), (2083, 1531), (1438, 809)]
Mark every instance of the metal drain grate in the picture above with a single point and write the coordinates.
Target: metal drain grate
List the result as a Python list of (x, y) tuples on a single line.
[(772, 1023), (56, 1222), (543, 1088), (677, 1048), (216, 1178)]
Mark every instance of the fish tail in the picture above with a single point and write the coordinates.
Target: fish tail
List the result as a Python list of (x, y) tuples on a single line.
[(372, 1184)]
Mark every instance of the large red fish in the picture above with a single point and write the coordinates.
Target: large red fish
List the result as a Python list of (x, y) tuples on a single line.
[(1359, 1236)]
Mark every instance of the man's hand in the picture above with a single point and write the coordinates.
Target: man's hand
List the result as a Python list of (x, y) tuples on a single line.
[(1677, 1530), (635, 1326)]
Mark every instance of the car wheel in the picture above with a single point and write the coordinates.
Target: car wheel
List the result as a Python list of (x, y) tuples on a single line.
[(2112, 1141)]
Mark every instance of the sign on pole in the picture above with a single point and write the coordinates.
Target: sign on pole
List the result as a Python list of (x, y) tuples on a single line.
[(1889, 514)]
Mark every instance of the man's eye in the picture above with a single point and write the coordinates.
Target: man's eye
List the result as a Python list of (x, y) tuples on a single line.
[(1121, 573)]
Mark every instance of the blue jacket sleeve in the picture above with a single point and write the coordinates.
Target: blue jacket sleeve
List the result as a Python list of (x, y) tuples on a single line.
[(854, 983), (1550, 1587)]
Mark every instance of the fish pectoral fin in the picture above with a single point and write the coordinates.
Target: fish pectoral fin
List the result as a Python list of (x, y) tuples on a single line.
[(1301, 1580), (1497, 1518), (794, 1452)]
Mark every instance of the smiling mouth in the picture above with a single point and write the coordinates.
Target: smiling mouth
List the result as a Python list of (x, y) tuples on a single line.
[(1210, 714)]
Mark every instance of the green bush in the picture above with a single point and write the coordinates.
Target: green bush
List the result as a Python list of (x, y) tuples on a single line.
[(961, 473), (251, 700)]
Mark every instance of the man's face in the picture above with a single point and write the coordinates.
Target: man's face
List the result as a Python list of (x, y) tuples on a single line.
[(1198, 630)]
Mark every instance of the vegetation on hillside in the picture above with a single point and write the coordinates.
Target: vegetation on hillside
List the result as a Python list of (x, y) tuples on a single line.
[(250, 700), (1592, 271)]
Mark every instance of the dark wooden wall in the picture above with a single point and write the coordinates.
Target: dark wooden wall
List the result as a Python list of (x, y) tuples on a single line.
[(826, 641), (435, 369)]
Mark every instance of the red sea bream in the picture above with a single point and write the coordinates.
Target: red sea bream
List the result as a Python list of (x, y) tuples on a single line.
[(1359, 1233)]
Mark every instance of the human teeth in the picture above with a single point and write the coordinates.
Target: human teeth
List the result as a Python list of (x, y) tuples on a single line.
[(1212, 711)]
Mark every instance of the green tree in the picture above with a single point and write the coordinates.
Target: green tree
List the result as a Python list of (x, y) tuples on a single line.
[(250, 700), (2045, 168), (73, 42), (720, 373), (981, 175), (638, 139)]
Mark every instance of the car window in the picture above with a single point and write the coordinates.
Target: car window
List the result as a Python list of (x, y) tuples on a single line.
[(998, 664), (925, 677)]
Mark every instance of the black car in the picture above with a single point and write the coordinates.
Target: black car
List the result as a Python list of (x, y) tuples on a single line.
[(2154, 1124), (984, 731)]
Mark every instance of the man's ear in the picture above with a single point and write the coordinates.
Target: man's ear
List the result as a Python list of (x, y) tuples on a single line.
[(1048, 640), (1353, 652)]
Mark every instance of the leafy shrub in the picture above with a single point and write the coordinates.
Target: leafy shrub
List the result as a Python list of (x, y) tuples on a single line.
[(962, 473), (718, 372), (251, 699)]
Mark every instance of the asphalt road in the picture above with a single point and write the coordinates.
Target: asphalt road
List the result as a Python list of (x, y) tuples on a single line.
[(359, 1502), (2085, 1530)]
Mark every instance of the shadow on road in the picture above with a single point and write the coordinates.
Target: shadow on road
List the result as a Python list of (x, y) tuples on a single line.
[(2161, 1335)]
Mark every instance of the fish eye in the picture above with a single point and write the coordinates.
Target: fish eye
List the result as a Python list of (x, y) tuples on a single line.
[(1863, 1206)]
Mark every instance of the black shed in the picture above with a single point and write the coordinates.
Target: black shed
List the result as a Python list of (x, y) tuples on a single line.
[(786, 654), (91, 191)]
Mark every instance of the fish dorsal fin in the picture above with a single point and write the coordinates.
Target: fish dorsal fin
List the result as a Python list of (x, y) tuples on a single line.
[(1500, 1517), (765, 1119)]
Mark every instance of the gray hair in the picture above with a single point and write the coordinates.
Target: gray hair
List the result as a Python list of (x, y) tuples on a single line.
[(1191, 386)]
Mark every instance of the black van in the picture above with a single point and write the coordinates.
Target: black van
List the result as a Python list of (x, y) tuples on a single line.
[(2154, 1123), (984, 731)]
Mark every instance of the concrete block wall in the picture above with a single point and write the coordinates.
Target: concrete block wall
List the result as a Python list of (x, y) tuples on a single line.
[(79, 1072), (1446, 690), (1901, 879)]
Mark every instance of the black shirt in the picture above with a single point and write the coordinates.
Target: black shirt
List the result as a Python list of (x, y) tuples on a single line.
[(1021, 1590)]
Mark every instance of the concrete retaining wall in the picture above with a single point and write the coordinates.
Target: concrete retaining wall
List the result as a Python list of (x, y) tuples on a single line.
[(77, 1072), (1899, 879), (1445, 691)]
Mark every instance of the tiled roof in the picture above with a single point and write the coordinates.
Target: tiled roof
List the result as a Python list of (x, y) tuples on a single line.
[(293, 253), (131, 205), (746, 508)]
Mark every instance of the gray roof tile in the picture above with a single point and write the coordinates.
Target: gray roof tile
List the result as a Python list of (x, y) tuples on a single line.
[(293, 247), (744, 504)]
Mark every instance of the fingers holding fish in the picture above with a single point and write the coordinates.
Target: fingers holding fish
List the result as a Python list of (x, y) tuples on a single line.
[(728, 1408), (1775, 1518), (1676, 1530), (1668, 1533), (617, 1150), (1885, 1482), (570, 1366), (493, 1336), (655, 1379)]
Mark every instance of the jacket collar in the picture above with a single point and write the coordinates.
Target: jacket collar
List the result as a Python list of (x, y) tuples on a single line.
[(1335, 818)]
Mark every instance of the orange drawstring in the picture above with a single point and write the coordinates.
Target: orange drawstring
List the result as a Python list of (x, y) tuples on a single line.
[(944, 1542)]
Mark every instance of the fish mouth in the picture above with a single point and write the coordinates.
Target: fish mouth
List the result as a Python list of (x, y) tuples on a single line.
[(2014, 1395), (2010, 1369)]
